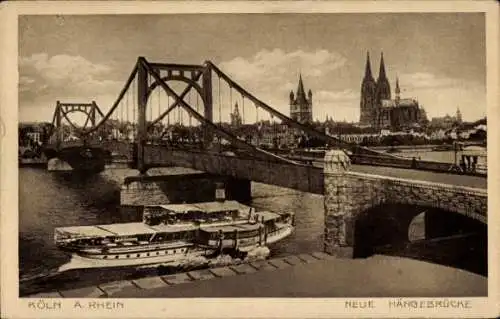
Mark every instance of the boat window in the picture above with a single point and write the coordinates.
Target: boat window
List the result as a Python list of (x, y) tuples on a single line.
[(174, 251), (116, 257), (104, 257), (166, 252), (147, 254), (128, 256), (157, 253), (138, 255)]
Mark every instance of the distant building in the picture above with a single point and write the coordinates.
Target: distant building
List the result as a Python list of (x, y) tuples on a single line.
[(377, 107), (447, 121), (236, 117), (35, 137), (301, 105)]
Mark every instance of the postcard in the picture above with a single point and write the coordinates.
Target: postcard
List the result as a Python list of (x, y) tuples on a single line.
[(249, 159)]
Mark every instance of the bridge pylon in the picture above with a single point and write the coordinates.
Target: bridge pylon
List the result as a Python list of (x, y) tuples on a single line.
[(61, 112), (197, 78)]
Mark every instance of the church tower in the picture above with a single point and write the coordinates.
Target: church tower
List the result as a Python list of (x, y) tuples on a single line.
[(397, 91), (458, 116), (301, 105), (368, 90), (383, 86), (236, 117)]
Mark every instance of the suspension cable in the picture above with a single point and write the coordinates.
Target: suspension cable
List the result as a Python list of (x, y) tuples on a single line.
[(150, 109), (220, 112), (257, 124), (158, 131), (168, 116), (121, 111), (189, 102), (243, 109), (159, 96), (128, 107), (197, 102), (134, 105)]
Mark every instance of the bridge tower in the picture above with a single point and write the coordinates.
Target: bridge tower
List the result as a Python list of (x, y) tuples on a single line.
[(64, 109), (149, 76)]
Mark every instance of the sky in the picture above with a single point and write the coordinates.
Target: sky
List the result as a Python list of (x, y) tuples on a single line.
[(439, 58)]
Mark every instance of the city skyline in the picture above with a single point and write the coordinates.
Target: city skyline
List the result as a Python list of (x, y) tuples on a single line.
[(439, 58)]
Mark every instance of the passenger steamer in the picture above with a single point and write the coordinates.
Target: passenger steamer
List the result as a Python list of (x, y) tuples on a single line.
[(173, 234)]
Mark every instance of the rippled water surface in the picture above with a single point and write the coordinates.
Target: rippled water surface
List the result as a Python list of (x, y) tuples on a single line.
[(48, 200)]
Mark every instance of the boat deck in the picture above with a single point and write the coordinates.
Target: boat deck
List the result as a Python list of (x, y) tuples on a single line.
[(122, 229), (141, 228)]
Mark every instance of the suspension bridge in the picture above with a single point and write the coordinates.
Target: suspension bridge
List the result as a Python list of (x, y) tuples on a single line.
[(180, 115), (172, 114)]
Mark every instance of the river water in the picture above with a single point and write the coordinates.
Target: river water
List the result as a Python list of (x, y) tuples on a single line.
[(48, 200)]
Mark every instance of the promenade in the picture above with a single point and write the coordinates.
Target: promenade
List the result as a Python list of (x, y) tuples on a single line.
[(306, 275)]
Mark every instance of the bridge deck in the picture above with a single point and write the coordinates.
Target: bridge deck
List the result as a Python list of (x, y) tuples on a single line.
[(419, 175)]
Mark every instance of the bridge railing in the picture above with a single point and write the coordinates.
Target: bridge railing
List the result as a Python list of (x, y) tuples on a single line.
[(412, 164), (271, 171)]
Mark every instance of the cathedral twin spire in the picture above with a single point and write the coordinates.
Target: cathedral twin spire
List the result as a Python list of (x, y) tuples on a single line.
[(382, 86), (373, 92), (368, 69)]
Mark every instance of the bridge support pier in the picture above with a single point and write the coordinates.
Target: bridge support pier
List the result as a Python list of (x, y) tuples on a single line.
[(238, 189), (339, 222), (167, 189), (181, 188), (58, 165)]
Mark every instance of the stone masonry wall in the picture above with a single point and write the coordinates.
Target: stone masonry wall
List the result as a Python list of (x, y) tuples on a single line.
[(165, 192), (348, 194)]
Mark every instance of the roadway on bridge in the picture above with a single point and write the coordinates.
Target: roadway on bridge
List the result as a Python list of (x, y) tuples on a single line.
[(420, 175)]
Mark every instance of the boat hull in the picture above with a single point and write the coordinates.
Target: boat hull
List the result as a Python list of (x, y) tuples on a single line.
[(83, 261), (175, 257)]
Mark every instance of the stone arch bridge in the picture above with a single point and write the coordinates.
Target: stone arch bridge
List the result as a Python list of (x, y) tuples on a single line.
[(353, 198)]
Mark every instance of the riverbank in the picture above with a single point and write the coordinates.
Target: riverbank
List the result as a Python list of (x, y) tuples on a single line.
[(304, 275)]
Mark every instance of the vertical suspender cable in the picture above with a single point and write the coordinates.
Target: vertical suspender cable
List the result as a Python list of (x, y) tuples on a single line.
[(220, 112), (159, 97), (257, 124), (189, 102), (128, 107), (168, 116), (134, 101), (122, 111), (159, 107), (150, 109)]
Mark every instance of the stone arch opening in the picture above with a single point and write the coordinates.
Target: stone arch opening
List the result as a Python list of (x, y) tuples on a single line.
[(423, 233), (382, 225)]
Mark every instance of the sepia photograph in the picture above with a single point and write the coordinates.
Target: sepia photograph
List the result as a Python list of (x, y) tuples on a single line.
[(290, 154)]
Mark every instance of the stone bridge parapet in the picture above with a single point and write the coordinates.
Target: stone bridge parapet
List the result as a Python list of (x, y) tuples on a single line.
[(348, 194)]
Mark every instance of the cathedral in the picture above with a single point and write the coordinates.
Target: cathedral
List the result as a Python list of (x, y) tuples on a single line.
[(379, 110), (301, 105)]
